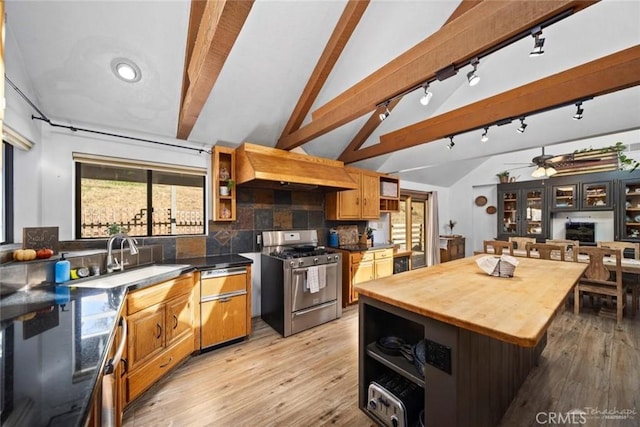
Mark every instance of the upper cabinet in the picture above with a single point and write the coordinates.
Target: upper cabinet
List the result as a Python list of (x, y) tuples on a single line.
[(521, 210), (629, 215), (581, 193), (361, 203), (223, 179), (389, 193)]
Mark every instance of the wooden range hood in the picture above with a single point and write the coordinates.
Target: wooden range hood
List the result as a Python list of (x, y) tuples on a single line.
[(261, 166)]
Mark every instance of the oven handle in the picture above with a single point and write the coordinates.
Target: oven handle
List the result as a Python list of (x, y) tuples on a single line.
[(314, 308), (300, 270), (226, 296), (222, 272)]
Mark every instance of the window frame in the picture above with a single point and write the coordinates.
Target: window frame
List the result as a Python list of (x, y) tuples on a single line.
[(149, 169)]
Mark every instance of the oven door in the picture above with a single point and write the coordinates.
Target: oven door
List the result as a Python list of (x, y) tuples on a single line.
[(302, 297)]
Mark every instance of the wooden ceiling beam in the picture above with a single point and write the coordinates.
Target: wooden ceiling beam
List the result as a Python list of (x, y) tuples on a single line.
[(217, 31), (479, 29), (611, 73), (374, 121), (347, 23)]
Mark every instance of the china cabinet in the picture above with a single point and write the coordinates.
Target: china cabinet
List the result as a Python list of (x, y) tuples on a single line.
[(521, 208)]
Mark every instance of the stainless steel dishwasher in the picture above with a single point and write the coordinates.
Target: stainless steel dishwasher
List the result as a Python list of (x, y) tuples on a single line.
[(225, 312)]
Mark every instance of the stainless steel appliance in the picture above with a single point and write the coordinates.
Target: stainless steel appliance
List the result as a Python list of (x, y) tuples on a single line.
[(301, 282), (395, 401)]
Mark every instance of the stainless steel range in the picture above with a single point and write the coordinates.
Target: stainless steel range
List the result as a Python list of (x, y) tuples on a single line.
[(301, 282)]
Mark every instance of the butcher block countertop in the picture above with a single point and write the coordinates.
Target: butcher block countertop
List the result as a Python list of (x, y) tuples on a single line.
[(516, 310)]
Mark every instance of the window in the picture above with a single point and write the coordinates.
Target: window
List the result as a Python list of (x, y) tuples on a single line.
[(6, 163), (151, 201)]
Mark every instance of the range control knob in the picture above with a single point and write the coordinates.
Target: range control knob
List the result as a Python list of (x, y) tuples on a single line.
[(394, 421), (300, 262), (329, 258), (291, 263), (315, 260), (372, 404)]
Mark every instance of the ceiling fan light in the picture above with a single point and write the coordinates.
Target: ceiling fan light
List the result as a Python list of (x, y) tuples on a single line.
[(539, 172), (550, 171)]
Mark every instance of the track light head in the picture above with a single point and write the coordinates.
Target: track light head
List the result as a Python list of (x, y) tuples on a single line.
[(426, 98), (451, 143), (485, 136), (522, 127), (386, 112), (579, 111), (472, 77), (538, 43)]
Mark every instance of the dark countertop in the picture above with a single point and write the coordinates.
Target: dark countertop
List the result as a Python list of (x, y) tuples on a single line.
[(54, 342), (357, 247)]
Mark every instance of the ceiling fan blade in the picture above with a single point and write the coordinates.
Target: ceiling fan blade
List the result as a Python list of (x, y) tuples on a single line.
[(521, 163)]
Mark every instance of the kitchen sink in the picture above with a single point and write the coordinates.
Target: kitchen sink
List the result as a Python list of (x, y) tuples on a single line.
[(127, 277)]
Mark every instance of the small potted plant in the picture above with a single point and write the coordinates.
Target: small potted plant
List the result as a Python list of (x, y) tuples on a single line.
[(503, 176), (226, 187), (450, 226)]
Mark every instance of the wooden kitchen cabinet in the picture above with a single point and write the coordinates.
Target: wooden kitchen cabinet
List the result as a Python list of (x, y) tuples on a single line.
[(160, 319), (225, 307), (359, 267), (223, 167), (361, 203)]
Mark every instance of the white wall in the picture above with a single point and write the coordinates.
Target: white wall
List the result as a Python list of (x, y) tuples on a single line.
[(603, 220), (45, 176)]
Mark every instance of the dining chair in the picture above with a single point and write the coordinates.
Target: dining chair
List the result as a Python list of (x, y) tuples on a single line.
[(545, 251), (631, 280), (521, 242), (570, 247), (498, 246), (597, 279)]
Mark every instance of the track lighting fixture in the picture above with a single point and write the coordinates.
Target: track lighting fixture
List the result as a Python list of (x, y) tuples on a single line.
[(451, 144), (485, 137), (386, 112), (579, 111), (472, 77), (522, 127), (538, 43), (427, 96)]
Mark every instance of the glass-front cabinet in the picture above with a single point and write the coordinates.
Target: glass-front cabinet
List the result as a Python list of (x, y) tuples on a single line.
[(520, 210), (630, 221), (564, 197), (582, 196), (596, 195)]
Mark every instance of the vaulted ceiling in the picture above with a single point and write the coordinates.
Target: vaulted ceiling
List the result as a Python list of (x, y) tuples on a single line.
[(318, 73)]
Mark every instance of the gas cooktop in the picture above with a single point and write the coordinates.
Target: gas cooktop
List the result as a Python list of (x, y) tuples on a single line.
[(297, 253)]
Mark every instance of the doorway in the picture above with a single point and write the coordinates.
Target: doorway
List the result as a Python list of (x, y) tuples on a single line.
[(408, 227)]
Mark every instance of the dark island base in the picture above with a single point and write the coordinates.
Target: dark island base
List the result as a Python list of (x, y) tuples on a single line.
[(485, 373)]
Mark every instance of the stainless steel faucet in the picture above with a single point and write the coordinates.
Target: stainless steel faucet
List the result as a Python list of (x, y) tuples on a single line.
[(112, 263)]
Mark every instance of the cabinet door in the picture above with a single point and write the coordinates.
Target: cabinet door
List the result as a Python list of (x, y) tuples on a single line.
[(384, 267), (508, 212), (362, 272), (223, 319), (146, 334), (630, 215), (533, 217), (596, 196), (370, 196), (564, 197), (349, 201), (179, 318)]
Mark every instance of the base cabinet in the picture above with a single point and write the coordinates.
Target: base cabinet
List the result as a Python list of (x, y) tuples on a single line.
[(160, 320), (359, 267), (451, 247)]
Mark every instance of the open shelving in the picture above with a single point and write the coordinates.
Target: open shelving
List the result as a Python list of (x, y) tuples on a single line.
[(223, 173)]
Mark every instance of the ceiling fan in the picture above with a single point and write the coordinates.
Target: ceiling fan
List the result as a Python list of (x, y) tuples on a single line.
[(547, 164)]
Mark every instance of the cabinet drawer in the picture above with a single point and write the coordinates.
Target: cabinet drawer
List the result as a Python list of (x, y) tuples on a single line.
[(223, 320), (161, 292), (357, 257), (144, 377), (223, 285), (386, 253)]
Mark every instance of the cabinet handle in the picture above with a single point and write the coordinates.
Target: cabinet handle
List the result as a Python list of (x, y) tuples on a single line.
[(166, 364), (159, 330), (125, 367), (175, 321), (364, 201), (357, 200)]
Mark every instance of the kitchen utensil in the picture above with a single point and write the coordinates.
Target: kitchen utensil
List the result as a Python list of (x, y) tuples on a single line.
[(395, 346), (420, 356)]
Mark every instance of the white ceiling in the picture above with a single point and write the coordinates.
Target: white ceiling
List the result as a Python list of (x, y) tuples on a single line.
[(66, 48)]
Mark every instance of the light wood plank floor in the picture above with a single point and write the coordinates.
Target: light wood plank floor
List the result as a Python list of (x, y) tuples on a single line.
[(310, 379)]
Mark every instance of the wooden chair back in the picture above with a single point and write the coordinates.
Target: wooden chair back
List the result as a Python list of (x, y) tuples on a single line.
[(635, 247), (521, 242), (498, 246), (545, 251), (570, 247), (597, 279)]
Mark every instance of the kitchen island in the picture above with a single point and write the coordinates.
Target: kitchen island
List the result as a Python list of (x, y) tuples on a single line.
[(483, 334)]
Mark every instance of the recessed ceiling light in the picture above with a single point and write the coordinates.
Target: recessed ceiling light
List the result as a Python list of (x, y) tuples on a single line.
[(126, 70)]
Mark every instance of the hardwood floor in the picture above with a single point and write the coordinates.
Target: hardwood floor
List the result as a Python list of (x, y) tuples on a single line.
[(310, 379)]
